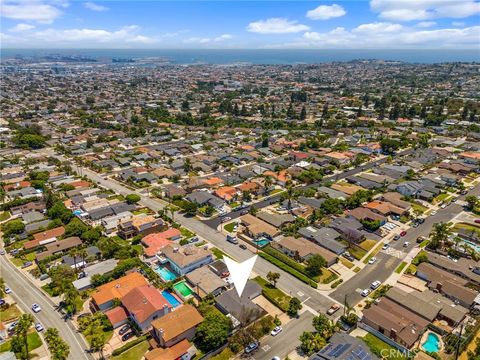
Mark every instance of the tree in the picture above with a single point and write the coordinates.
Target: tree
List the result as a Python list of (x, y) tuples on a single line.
[(389, 146), (21, 331), (75, 227), (439, 235), (213, 331), (303, 113), (189, 207), (323, 325), (311, 343), (58, 348), (132, 198), (273, 277), (60, 211), (410, 174), (13, 227), (315, 263), (294, 306), (267, 183), (472, 202)]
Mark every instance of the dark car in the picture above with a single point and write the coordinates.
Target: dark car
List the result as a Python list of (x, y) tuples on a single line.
[(251, 347), (127, 336), (27, 264), (477, 221), (124, 329), (243, 246), (244, 212), (347, 256)]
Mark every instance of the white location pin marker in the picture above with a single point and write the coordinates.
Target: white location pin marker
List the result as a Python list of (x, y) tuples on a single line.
[(240, 272)]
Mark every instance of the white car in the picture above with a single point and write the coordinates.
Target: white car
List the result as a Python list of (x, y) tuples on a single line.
[(39, 327), (365, 292), (433, 212), (8, 290), (277, 330), (375, 285), (276, 358), (36, 308), (372, 260), (385, 247), (11, 327), (405, 244)]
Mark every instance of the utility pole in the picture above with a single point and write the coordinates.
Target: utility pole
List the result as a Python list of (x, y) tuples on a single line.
[(458, 343)]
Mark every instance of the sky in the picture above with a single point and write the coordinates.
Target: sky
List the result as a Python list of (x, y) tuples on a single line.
[(195, 24)]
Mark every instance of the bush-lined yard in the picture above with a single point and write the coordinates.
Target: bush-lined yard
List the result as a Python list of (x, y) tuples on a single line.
[(276, 296)]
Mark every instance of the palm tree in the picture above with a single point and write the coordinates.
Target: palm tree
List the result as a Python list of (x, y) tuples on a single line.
[(268, 181), (74, 254), (439, 235), (289, 196), (172, 213), (21, 330)]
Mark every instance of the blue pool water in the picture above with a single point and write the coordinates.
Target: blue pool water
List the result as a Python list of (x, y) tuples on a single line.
[(432, 344), (262, 242), (77, 212), (474, 246), (165, 274), (170, 298)]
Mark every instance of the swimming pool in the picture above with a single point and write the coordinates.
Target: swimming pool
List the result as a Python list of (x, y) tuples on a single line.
[(432, 343), (262, 242), (183, 290), (170, 298), (474, 246), (165, 273)]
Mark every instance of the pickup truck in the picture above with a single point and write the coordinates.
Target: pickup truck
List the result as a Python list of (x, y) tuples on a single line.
[(232, 239)]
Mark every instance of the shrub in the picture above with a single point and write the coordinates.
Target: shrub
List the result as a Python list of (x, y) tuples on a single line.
[(336, 283), (129, 345)]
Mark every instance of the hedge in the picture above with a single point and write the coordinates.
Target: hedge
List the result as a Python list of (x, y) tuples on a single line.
[(274, 301), (288, 269), (336, 283), (129, 345)]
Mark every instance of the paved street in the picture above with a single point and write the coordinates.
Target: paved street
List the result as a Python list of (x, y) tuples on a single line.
[(282, 344), (386, 264), (215, 222), (25, 294)]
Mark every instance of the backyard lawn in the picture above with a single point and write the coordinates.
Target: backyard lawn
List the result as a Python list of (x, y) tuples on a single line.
[(419, 209), (356, 252), (376, 346), (133, 353), (440, 198), (20, 261)]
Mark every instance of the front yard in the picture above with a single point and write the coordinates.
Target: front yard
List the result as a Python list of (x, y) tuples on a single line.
[(134, 353), (33, 339), (276, 296), (381, 348), (9, 314)]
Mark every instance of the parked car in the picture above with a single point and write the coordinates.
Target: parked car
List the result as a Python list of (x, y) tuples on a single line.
[(232, 239), (8, 290), (403, 233), (2, 252), (421, 239), (276, 358), (365, 292), (225, 219), (433, 212), (14, 252), (348, 256), (12, 326), (242, 246), (44, 277), (385, 246), (2, 302), (124, 329), (127, 336), (464, 192), (477, 221), (36, 308), (244, 212), (333, 309), (396, 237), (251, 347), (372, 260), (375, 285), (39, 327), (405, 244), (277, 330), (27, 264)]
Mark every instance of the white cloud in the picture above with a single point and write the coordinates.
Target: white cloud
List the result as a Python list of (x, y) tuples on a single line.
[(207, 40), (33, 10), (390, 35), (404, 10), (325, 12), (95, 7), (223, 37), (22, 27), (458, 23), (276, 26), (426, 24)]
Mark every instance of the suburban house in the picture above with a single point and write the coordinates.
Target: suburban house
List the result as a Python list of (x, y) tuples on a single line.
[(361, 213), (255, 228), (342, 346), (302, 249), (144, 304), (142, 224), (325, 237), (229, 303), (44, 237), (155, 242), (103, 297), (186, 258), (204, 282), (385, 208), (58, 247), (176, 326)]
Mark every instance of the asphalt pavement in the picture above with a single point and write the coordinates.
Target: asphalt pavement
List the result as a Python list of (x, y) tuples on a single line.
[(386, 263), (26, 294)]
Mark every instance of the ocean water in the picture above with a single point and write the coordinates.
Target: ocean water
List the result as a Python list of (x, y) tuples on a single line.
[(258, 56)]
